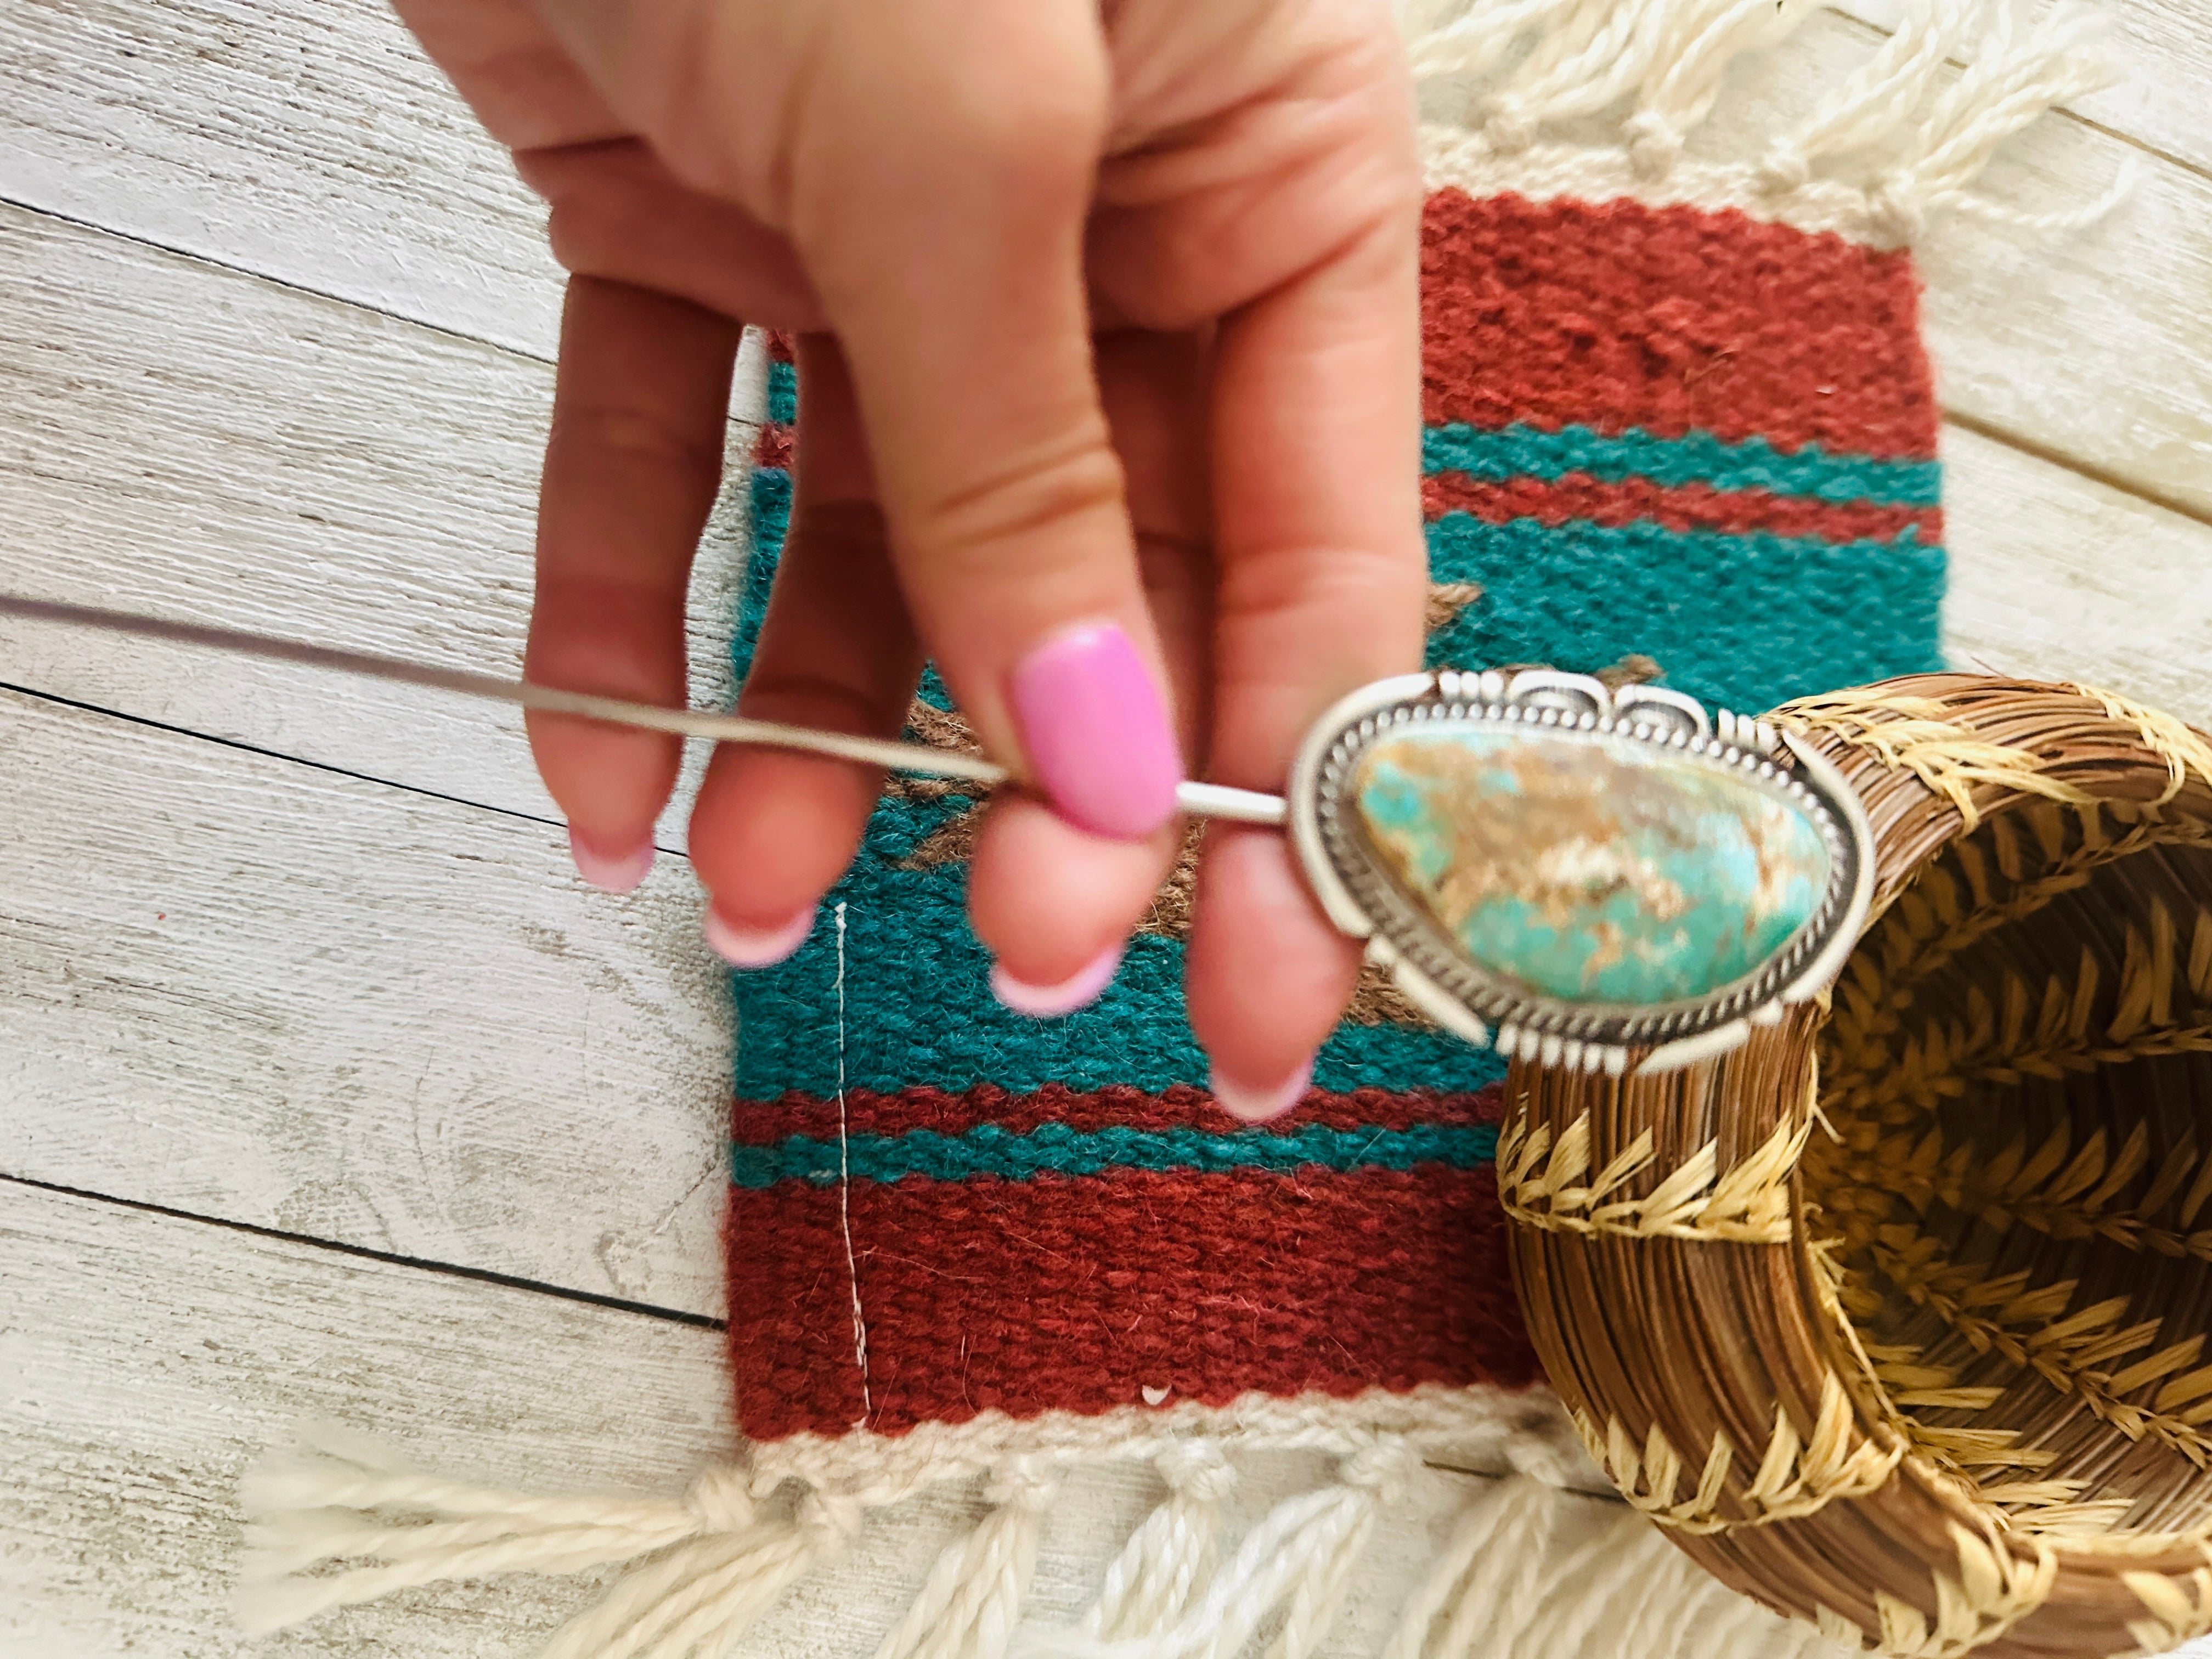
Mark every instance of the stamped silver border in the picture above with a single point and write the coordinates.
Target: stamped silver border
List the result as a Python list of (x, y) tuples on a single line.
[(1484, 1008)]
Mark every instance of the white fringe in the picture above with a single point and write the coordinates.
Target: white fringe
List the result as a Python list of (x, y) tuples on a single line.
[(1486, 1578), (344, 1498), (1702, 38), (1297, 1561), (1168, 1560), (344, 1521), (1893, 146), (1861, 113), (973, 1600)]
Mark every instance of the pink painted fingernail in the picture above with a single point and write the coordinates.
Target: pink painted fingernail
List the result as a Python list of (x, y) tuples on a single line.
[(1046, 1001), (616, 872), (756, 947), (1097, 732), (1260, 1105)]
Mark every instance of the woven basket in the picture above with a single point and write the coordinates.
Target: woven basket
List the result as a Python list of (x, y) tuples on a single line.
[(1895, 1319)]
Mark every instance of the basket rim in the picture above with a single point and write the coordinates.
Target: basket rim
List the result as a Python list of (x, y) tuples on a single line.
[(1937, 756)]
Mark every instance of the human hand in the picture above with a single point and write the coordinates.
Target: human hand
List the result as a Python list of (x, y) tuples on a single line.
[(1110, 361)]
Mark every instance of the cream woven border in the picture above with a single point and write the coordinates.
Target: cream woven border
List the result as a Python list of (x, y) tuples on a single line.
[(1476, 1427)]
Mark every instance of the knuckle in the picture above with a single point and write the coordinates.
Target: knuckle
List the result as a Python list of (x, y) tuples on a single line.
[(1045, 115), (775, 692), (1031, 497), (631, 433)]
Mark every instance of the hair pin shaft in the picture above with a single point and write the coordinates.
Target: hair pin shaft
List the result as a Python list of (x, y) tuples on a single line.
[(1199, 799)]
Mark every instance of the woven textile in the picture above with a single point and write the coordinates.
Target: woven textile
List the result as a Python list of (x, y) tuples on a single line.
[(1650, 433), (1678, 423)]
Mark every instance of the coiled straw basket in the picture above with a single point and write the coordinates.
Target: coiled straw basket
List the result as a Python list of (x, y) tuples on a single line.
[(1896, 1318)]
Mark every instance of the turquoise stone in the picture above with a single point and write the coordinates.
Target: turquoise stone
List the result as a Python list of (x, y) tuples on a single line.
[(1591, 868)]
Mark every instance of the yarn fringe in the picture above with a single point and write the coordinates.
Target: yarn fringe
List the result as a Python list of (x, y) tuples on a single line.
[(343, 1520), (1602, 99)]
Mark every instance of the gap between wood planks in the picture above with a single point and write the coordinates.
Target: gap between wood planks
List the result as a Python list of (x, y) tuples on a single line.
[(2143, 146), (225, 266), (451, 1270), (2034, 449), (36, 696)]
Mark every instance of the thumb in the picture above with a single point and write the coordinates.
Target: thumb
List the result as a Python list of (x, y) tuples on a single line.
[(941, 180)]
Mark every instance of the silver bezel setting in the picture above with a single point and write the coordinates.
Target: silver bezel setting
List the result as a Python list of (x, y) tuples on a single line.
[(1430, 970)]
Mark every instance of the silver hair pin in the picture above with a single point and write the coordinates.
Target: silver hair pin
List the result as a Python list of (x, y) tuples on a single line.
[(1585, 878)]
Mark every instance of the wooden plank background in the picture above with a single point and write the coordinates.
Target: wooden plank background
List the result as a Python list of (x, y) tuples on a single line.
[(291, 971)]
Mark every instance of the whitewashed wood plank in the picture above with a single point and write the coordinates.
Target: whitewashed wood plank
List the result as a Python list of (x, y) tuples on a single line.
[(149, 1361), (194, 443), (2047, 340), (313, 143), (243, 988), (2160, 53), (315, 471), (2057, 577), (2093, 345)]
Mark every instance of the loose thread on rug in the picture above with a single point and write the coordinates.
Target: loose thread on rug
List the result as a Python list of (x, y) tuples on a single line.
[(845, 1188)]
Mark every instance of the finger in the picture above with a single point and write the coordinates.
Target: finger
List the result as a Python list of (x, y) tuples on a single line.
[(520, 79), (640, 405), (932, 164), (615, 211), (1316, 472), (949, 262), (1053, 958), (771, 832)]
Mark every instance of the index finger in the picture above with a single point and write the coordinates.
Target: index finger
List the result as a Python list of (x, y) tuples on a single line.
[(1316, 477), (947, 247)]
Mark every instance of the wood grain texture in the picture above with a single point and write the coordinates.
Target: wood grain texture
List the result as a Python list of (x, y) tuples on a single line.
[(2161, 51), (194, 443), (244, 988), (2054, 577), (149, 1361), (315, 146), (312, 143)]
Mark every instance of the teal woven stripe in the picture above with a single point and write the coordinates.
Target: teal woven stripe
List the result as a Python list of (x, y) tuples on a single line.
[(1527, 452), (919, 1010), (1057, 1149), (771, 501), (782, 392), (1741, 622)]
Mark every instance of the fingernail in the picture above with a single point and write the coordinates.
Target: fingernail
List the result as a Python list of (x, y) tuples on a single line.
[(756, 947), (1096, 730), (616, 872), (1260, 1105), (1045, 1001)]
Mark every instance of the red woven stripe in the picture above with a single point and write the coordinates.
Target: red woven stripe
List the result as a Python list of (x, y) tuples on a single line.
[(758, 1123), (773, 447), (1081, 1293), (1670, 319), (1693, 507)]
